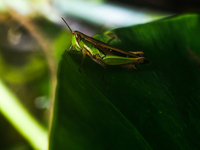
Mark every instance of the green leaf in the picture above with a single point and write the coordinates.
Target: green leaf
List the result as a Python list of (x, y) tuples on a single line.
[(154, 107)]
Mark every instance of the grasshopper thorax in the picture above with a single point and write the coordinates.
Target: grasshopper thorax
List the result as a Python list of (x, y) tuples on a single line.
[(77, 37)]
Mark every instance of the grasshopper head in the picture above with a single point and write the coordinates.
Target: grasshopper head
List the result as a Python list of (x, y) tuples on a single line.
[(76, 38), (77, 35), (76, 41)]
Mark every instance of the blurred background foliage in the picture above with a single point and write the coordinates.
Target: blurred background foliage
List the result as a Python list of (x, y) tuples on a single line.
[(33, 38)]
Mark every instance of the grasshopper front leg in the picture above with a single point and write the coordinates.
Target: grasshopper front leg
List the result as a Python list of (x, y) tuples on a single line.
[(69, 48), (84, 55)]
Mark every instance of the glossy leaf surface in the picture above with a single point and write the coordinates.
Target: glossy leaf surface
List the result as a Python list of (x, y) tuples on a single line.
[(154, 107)]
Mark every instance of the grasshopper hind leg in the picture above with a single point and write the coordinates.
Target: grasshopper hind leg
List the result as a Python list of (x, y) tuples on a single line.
[(139, 53)]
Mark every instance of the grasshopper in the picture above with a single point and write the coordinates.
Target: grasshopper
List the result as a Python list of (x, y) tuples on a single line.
[(103, 53)]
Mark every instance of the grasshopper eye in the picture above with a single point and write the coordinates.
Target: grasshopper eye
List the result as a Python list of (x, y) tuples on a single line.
[(78, 38)]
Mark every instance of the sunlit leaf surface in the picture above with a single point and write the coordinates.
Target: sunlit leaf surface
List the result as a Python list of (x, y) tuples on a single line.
[(155, 107)]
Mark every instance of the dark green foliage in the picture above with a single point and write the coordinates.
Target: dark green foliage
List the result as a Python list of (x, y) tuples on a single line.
[(155, 107)]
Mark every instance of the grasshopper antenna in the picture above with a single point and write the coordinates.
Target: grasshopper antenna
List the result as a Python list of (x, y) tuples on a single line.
[(70, 31), (67, 25)]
